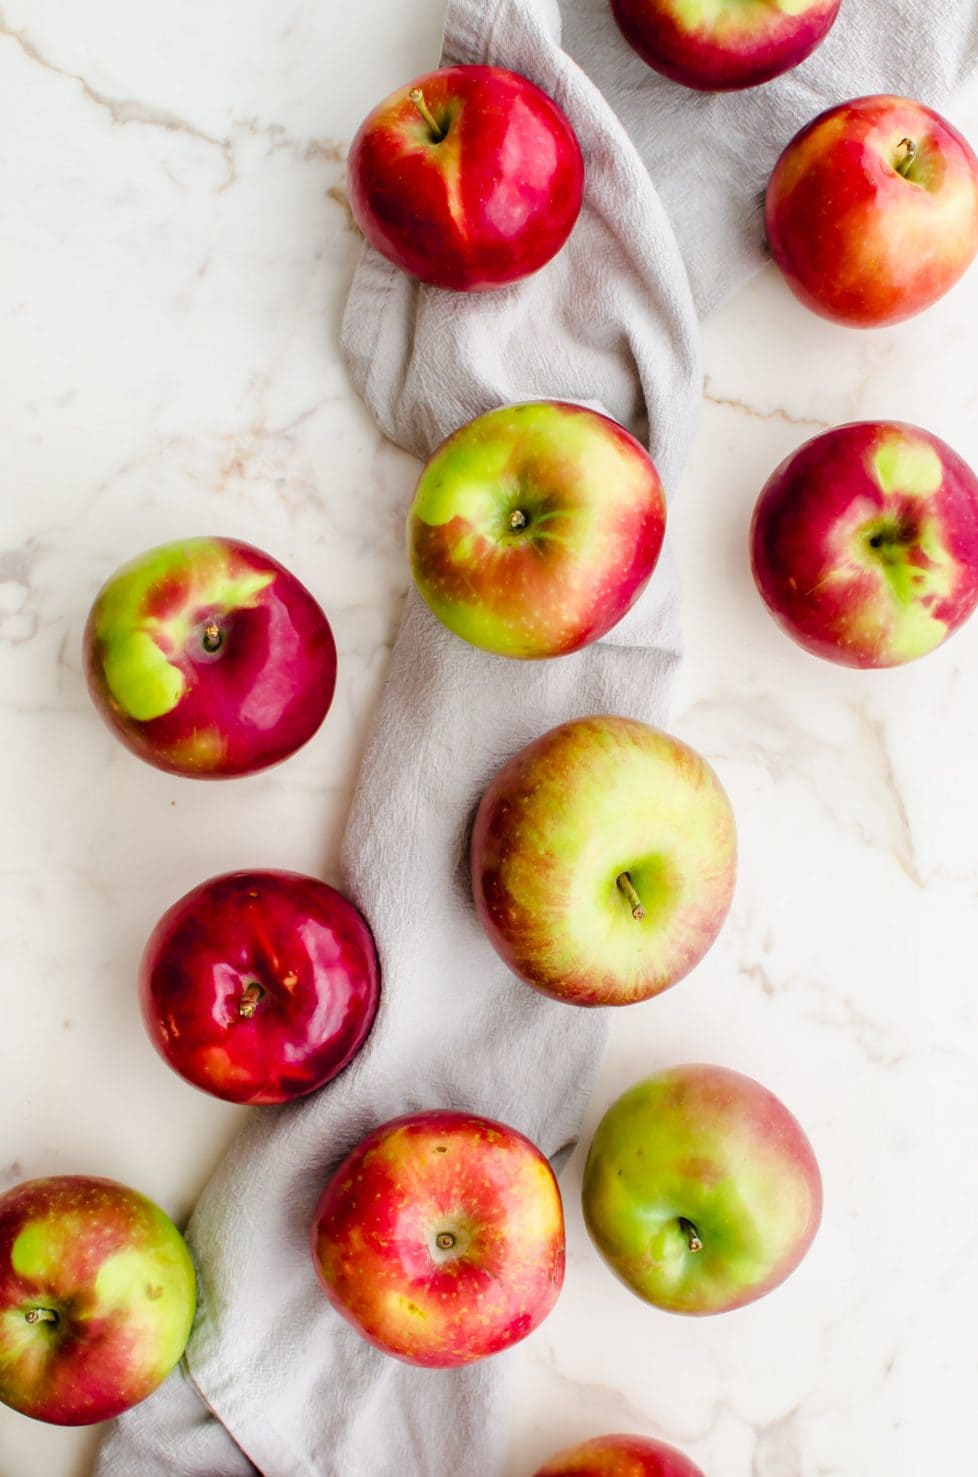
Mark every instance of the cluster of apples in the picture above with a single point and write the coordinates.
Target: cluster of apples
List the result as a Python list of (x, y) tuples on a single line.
[(533, 530)]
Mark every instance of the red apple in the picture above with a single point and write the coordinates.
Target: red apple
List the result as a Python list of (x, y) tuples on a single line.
[(722, 45), (97, 1295), (619, 1456), (700, 1190), (259, 986), (603, 861), (441, 1238), (864, 543), (209, 659), (468, 178), (872, 211), (534, 528)]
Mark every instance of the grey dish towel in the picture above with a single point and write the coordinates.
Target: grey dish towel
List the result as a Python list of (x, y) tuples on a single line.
[(671, 223)]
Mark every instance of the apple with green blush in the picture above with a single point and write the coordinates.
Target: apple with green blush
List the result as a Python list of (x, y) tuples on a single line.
[(535, 527), (440, 1238), (872, 210), (619, 1456), (468, 178), (701, 1190), (603, 860), (97, 1297), (724, 45), (208, 658), (864, 543)]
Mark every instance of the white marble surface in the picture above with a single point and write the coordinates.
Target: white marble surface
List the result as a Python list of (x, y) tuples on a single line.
[(175, 251)]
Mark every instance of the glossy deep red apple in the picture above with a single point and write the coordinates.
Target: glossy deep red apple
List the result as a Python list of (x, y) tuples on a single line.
[(872, 210), (97, 1296), (468, 178), (722, 45), (441, 1238), (259, 986), (864, 543), (619, 1456), (209, 659)]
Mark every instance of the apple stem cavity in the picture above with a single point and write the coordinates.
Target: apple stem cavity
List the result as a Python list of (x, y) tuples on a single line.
[(250, 997), (212, 637), (41, 1315), (624, 883), (905, 155), (416, 96), (693, 1240)]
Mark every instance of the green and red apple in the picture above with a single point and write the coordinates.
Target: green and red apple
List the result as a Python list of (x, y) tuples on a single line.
[(535, 527), (872, 210), (97, 1296), (701, 1191), (603, 861), (864, 543), (440, 1238)]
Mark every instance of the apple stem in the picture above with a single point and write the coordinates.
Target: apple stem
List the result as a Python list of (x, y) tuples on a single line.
[(444, 1240), (517, 519), (690, 1232), (41, 1315), (416, 96), (211, 637), (624, 882), (250, 997), (906, 154)]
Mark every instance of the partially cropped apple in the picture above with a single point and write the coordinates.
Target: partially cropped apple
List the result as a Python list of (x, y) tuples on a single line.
[(209, 659), (97, 1295), (722, 45), (701, 1191), (872, 210), (535, 527), (441, 1238), (864, 543), (468, 178), (619, 1456), (603, 861), (259, 987)]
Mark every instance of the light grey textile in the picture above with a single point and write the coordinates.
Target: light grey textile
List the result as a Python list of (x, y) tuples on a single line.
[(611, 321)]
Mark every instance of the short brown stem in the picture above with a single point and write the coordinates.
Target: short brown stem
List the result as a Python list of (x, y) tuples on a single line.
[(417, 98), (250, 997), (444, 1240), (211, 637), (905, 155), (690, 1232), (624, 883), (41, 1315), (517, 519)]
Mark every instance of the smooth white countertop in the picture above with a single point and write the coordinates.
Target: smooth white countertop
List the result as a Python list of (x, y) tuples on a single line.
[(174, 253)]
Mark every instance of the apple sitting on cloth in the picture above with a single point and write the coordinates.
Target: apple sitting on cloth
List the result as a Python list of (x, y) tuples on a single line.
[(603, 861), (469, 178), (701, 1191), (441, 1238), (97, 1295), (535, 527)]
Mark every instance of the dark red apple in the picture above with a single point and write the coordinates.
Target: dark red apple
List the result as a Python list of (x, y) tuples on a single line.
[(468, 178), (209, 659), (259, 986), (441, 1238), (872, 210)]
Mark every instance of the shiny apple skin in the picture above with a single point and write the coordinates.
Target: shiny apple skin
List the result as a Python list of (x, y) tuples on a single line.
[(209, 715), (559, 824), (594, 518), (619, 1456), (374, 1238), (305, 947), (117, 1274), (727, 46), (864, 543), (713, 1148), (491, 202), (856, 241)]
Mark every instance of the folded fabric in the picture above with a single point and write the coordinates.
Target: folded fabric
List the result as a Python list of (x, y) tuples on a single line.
[(277, 1381)]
